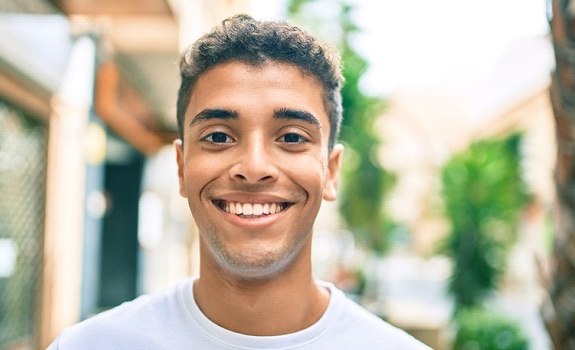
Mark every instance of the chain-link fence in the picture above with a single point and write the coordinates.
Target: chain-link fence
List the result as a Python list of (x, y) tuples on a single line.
[(22, 201)]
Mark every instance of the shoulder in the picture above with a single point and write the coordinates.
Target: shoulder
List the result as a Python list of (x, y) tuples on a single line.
[(132, 323), (363, 329)]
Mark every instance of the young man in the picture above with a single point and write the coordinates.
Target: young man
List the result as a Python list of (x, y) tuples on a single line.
[(259, 110)]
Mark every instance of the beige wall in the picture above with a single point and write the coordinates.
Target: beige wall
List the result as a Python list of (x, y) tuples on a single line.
[(198, 16), (422, 129), (61, 287)]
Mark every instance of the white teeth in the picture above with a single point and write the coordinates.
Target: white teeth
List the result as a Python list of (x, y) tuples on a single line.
[(256, 209), (248, 209)]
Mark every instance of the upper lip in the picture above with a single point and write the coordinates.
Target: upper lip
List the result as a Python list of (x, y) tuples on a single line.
[(242, 197), (251, 197)]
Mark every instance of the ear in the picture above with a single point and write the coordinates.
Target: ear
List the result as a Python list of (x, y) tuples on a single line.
[(180, 160), (332, 176)]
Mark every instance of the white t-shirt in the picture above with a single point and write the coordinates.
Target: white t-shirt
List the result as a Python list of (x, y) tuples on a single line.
[(172, 320)]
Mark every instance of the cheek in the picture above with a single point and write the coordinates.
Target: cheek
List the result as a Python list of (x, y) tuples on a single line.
[(199, 171), (308, 172)]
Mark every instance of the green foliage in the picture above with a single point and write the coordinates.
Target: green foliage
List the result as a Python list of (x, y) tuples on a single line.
[(484, 197), (364, 180), (482, 330)]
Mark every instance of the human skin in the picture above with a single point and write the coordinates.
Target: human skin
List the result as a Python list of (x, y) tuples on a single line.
[(256, 141)]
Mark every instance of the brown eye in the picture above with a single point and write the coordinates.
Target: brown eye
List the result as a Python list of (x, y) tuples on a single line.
[(292, 138), (218, 137)]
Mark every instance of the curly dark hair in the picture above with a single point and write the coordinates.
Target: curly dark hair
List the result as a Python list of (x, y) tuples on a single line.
[(242, 38)]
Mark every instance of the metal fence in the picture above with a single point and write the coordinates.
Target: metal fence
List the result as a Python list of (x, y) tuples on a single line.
[(23, 144)]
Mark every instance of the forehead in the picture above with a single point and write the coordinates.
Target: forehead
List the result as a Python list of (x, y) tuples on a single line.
[(238, 85)]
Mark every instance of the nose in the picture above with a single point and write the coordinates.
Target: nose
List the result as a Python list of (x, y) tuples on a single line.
[(255, 162)]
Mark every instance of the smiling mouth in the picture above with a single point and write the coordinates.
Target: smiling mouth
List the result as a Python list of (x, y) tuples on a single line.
[(252, 210)]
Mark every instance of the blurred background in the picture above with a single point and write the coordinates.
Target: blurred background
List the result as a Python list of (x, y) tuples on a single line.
[(448, 209)]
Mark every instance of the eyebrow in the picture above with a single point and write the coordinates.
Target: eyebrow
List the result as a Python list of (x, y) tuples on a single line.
[(286, 113), (216, 113), (283, 113)]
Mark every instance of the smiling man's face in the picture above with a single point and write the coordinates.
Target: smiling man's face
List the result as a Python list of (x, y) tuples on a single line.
[(254, 166)]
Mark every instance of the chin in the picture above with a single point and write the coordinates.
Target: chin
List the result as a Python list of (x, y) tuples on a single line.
[(259, 270), (261, 267)]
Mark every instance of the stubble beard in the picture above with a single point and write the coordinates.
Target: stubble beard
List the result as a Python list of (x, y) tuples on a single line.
[(260, 265)]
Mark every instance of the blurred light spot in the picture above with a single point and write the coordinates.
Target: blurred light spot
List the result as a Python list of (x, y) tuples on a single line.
[(151, 220), (8, 255), (95, 144), (96, 204)]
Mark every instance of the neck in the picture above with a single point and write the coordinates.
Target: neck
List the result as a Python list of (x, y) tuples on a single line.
[(286, 303)]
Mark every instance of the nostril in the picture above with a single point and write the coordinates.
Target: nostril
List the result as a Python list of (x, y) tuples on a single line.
[(263, 178), (252, 171)]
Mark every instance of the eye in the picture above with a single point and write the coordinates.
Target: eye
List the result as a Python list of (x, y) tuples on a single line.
[(292, 138), (218, 137)]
